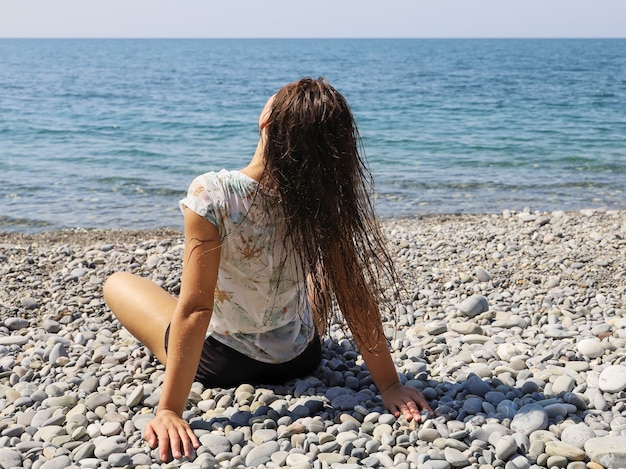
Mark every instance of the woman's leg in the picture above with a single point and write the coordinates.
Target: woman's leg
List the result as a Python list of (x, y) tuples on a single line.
[(144, 308)]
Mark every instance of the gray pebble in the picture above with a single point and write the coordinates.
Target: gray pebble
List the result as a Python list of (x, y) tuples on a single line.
[(57, 352), (563, 384), (518, 461), (435, 464), (505, 447), (59, 462), (78, 273), (530, 418), (473, 405), (15, 324), (262, 452), (119, 459), (474, 305), (89, 385), (613, 379), (67, 401), (29, 303), (18, 340), (609, 451), (216, 444), (466, 327), (84, 451), (577, 435), (591, 348), (10, 458), (344, 402), (455, 457), (107, 446), (143, 459), (475, 385), (482, 275), (97, 400), (135, 397)]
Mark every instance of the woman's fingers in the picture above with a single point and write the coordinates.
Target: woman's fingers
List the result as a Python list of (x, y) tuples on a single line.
[(172, 435), (406, 401), (150, 436), (174, 443)]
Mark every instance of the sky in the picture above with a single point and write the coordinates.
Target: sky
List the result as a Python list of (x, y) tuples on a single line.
[(312, 18)]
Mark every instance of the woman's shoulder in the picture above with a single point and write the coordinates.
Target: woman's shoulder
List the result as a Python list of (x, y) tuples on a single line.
[(219, 194), (226, 176), (224, 184)]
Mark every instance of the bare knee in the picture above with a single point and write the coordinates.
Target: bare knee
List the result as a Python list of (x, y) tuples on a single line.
[(113, 285), (138, 302), (142, 307)]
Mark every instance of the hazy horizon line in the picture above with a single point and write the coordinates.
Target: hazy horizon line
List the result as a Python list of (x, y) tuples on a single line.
[(318, 37)]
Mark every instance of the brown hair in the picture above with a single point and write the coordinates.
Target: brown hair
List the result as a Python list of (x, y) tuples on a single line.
[(313, 162)]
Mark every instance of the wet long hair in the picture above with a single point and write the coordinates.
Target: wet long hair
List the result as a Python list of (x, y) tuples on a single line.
[(313, 162)]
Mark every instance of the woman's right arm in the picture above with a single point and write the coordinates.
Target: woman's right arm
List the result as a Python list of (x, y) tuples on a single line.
[(187, 332)]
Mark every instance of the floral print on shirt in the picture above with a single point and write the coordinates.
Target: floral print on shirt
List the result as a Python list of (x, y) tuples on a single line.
[(260, 307)]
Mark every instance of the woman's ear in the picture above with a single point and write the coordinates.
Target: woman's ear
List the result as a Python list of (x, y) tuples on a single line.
[(264, 117), (263, 125)]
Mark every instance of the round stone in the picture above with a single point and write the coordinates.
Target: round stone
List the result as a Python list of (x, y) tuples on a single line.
[(59, 462), (10, 458), (609, 451), (530, 418), (466, 328), (591, 348), (455, 457), (577, 435), (107, 446), (559, 448), (97, 400), (473, 405), (505, 447), (29, 303), (15, 324), (344, 402), (613, 379), (482, 275), (215, 443), (562, 384), (265, 434), (262, 452), (475, 385), (474, 305), (111, 428)]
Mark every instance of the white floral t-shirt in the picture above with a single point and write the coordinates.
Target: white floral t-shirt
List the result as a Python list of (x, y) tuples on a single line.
[(260, 307)]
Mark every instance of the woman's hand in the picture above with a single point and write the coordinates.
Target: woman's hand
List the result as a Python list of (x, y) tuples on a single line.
[(169, 432), (405, 400)]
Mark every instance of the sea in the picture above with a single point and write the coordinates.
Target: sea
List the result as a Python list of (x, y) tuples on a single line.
[(108, 133)]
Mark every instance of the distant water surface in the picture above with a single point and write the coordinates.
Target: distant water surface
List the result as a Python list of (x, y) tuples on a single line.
[(109, 133)]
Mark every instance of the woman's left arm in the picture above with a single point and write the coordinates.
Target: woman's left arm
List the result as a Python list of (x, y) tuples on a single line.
[(398, 399), (187, 332)]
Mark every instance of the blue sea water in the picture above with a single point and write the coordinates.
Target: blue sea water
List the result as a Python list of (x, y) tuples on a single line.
[(109, 133)]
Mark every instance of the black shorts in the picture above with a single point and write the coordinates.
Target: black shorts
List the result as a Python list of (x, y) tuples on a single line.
[(222, 366)]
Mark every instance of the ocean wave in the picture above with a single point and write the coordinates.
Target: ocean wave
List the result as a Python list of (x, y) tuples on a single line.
[(135, 187), (8, 223)]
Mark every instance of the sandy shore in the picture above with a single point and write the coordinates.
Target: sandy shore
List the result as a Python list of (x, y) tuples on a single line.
[(513, 325)]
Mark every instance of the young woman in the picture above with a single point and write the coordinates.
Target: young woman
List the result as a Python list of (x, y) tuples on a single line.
[(268, 250)]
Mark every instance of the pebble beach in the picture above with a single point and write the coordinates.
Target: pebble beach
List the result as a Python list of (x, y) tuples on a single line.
[(513, 325)]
